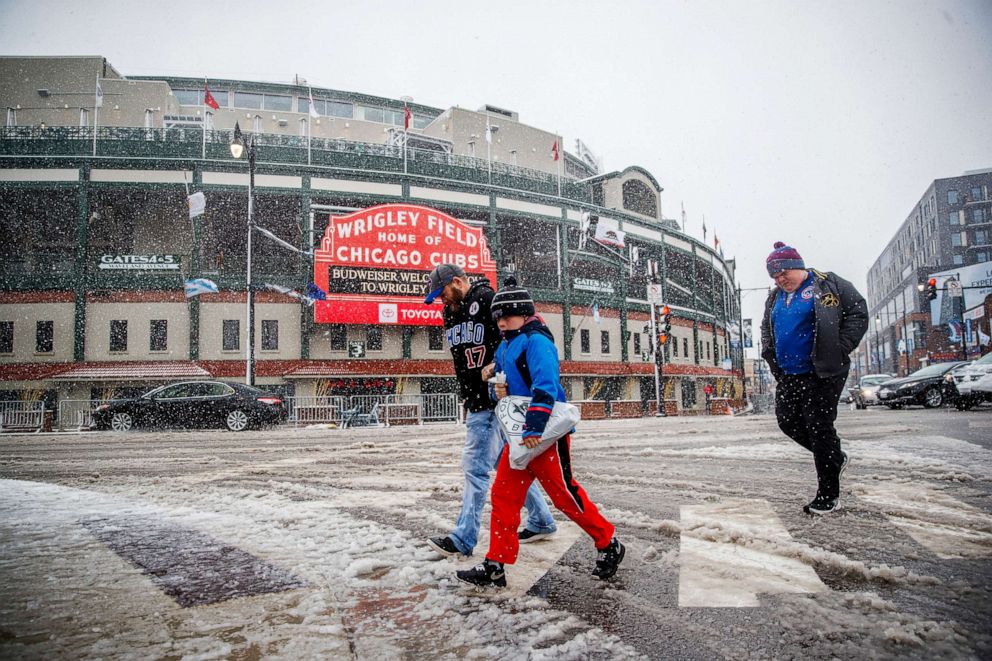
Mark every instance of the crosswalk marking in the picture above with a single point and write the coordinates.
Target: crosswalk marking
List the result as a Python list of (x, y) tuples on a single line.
[(717, 574), (946, 526)]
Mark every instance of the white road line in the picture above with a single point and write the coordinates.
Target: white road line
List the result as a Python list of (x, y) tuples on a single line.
[(720, 574), (944, 525)]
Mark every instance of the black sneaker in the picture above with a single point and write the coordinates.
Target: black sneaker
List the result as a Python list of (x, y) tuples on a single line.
[(843, 465), (444, 546), (821, 505), (487, 575), (609, 560), (527, 536)]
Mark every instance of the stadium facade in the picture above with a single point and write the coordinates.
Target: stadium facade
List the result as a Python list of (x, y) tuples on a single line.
[(97, 240)]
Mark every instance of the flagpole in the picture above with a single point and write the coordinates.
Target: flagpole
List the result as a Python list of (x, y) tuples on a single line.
[(561, 148), (203, 104), (309, 121), (489, 149), (96, 110)]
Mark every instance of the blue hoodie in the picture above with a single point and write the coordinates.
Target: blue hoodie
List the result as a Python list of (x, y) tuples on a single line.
[(529, 359)]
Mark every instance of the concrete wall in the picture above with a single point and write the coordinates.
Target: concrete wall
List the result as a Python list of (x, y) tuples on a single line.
[(212, 316), (138, 316), (25, 317)]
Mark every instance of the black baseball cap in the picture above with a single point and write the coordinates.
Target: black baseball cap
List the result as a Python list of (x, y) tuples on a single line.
[(439, 278)]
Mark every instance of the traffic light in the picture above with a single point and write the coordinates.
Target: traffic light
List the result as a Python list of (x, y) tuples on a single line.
[(931, 289), (664, 324)]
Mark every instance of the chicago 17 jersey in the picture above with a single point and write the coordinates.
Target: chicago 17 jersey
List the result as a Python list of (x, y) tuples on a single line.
[(473, 336)]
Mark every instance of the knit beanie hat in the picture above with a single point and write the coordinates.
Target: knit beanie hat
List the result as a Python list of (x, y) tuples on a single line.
[(512, 300), (783, 258)]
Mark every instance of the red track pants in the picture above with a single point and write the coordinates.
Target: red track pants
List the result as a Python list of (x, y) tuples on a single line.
[(553, 469)]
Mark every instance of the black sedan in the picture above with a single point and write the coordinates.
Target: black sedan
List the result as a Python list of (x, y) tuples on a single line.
[(193, 404), (931, 386)]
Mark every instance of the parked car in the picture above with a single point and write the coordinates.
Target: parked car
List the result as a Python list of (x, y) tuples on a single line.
[(193, 404), (865, 393), (931, 386), (967, 377)]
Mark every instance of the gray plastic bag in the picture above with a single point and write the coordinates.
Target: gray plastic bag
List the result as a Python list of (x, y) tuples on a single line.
[(511, 412)]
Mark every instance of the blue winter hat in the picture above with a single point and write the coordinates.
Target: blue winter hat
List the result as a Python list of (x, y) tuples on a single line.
[(783, 258)]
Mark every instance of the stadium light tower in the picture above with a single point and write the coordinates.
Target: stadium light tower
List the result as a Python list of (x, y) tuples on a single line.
[(238, 148)]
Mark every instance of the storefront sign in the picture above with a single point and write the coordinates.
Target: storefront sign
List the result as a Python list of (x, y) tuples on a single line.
[(374, 263), (139, 262), (588, 284)]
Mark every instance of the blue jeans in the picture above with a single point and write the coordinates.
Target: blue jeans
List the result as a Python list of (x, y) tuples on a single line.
[(483, 445)]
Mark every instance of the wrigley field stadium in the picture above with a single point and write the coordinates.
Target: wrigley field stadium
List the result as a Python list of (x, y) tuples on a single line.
[(128, 242)]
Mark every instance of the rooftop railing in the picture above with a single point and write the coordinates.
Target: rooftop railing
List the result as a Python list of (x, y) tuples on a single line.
[(188, 142)]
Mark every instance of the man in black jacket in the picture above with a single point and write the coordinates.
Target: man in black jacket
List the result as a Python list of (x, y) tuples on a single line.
[(473, 336), (812, 321)]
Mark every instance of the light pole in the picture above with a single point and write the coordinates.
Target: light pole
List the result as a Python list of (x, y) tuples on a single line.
[(237, 149), (878, 347)]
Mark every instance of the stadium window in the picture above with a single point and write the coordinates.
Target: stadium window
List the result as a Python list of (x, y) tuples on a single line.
[(421, 121), (277, 102), (11, 117), (303, 105), (158, 335), (435, 338), (256, 124), (952, 196), (604, 341), (471, 148), (191, 97), (340, 109), (373, 338), (6, 337), (675, 347), (303, 127), (247, 100), (339, 337), (44, 337), (84, 117), (637, 343), (270, 335), (637, 197), (584, 341), (685, 347), (371, 114), (231, 335), (118, 335)]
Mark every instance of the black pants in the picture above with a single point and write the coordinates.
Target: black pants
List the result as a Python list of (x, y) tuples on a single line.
[(806, 408)]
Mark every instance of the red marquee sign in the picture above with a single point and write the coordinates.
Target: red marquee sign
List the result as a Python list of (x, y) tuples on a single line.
[(374, 264)]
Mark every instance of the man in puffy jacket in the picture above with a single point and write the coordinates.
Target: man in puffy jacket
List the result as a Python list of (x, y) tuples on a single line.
[(812, 322), (472, 336), (529, 359)]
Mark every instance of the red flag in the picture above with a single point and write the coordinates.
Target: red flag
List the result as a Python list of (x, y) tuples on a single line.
[(209, 99), (554, 150), (406, 118)]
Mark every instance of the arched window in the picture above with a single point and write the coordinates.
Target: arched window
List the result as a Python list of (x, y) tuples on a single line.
[(639, 198), (256, 124)]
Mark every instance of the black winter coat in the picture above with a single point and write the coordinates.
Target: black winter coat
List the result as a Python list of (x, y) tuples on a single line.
[(473, 337), (841, 321)]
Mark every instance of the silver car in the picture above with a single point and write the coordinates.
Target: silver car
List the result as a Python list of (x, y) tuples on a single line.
[(866, 392)]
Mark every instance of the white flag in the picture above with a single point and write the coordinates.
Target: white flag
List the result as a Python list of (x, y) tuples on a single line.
[(489, 131), (197, 204), (595, 313), (99, 94), (608, 232), (198, 286), (313, 108)]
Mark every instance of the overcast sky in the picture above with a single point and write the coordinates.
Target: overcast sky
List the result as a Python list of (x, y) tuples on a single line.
[(815, 123)]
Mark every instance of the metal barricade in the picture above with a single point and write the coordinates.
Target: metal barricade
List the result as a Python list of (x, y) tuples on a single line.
[(433, 407), (22, 416), (316, 410), (77, 413)]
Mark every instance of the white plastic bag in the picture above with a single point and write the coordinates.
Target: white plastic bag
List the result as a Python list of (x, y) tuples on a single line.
[(511, 412)]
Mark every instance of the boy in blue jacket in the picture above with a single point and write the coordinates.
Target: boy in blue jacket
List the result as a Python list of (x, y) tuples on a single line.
[(529, 359)]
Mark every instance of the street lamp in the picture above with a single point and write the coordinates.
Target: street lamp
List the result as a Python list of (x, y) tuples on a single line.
[(878, 347), (238, 147)]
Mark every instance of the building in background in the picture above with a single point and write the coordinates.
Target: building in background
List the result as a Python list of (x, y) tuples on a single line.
[(97, 240), (949, 228)]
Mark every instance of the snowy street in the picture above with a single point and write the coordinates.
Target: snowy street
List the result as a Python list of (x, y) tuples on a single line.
[(310, 544)]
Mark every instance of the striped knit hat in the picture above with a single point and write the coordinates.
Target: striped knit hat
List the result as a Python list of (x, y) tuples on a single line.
[(783, 258), (512, 300)]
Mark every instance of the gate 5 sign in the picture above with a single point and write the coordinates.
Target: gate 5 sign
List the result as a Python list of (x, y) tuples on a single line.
[(374, 263)]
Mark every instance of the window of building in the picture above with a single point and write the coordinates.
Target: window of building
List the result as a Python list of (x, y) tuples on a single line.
[(84, 117), (976, 194), (339, 109), (954, 218), (192, 97), (435, 338), (956, 239), (231, 335), (952, 196), (707, 351), (639, 198), (637, 343), (118, 335), (277, 102), (604, 341), (247, 100), (598, 195), (371, 114), (373, 338), (685, 347), (44, 337), (584, 342), (983, 256), (421, 121), (675, 347), (957, 260), (471, 148), (981, 237), (980, 216), (303, 127), (11, 117), (158, 334), (339, 337), (256, 124), (270, 335), (6, 337)]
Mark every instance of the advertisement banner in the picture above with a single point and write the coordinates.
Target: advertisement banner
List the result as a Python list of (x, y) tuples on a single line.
[(374, 264), (976, 283)]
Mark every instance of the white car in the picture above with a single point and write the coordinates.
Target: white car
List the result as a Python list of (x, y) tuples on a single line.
[(966, 380)]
